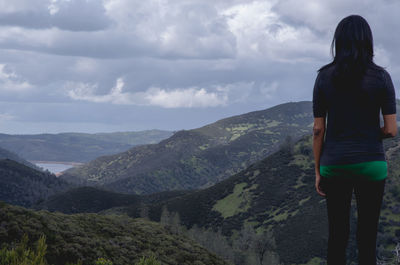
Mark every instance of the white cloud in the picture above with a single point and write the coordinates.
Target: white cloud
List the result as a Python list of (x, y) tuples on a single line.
[(85, 65), (11, 82), (260, 31), (184, 98), (185, 29), (320, 15), (87, 92), (268, 90), (53, 7), (382, 56), (153, 96), (237, 92), (6, 117)]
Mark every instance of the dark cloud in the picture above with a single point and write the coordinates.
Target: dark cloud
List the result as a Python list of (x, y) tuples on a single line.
[(74, 15), (178, 30), (132, 65)]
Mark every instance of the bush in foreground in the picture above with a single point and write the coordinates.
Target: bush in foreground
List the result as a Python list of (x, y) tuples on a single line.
[(22, 255)]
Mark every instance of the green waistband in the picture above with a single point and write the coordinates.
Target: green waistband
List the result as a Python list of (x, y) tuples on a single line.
[(371, 170)]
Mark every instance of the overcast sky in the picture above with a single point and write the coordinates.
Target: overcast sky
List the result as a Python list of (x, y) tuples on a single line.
[(128, 65)]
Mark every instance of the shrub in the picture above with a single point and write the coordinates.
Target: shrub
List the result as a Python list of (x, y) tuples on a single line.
[(21, 254), (148, 261), (103, 261)]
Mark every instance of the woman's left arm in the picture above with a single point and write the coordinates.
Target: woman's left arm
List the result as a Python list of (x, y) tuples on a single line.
[(318, 141)]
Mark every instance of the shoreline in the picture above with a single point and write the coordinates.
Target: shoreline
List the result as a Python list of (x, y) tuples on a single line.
[(56, 162)]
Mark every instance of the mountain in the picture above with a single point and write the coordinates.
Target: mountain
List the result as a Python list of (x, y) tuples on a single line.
[(87, 237), (77, 147), (277, 194), (5, 154), (200, 157), (274, 194), (23, 185)]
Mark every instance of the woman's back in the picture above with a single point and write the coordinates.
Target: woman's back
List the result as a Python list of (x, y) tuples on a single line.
[(353, 133)]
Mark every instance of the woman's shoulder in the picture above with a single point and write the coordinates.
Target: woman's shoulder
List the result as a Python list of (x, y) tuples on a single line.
[(377, 69), (379, 72), (326, 68), (325, 72)]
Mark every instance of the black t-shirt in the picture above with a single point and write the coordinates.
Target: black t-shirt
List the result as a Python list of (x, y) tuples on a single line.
[(353, 133)]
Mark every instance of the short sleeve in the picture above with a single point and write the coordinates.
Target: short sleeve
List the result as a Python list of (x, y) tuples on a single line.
[(319, 100), (388, 103)]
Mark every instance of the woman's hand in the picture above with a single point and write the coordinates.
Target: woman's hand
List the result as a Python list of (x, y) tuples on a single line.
[(318, 185), (318, 141)]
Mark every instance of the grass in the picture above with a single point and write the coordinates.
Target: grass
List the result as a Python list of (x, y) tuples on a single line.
[(255, 174), (302, 161), (277, 215), (236, 202), (273, 124), (299, 181), (268, 132), (301, 202)]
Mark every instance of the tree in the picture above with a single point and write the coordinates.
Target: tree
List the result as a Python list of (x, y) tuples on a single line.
[(103, 261), (171, 221), (165, 217), (24, 255), (144, 211), (259, 248), (148, 261), (288, 144)]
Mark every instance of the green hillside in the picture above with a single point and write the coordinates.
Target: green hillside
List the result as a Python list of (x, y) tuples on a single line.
[(278, 194), (200, 157), (77, 147), (275, 194), (22, 185), (87, 237)]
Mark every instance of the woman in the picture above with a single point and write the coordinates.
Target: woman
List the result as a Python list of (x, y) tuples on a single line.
[(351, 91)]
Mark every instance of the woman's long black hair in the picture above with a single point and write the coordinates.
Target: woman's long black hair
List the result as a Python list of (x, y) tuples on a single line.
[(352, 50)]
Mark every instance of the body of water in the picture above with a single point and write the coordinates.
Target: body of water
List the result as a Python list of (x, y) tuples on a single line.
[(54, 167)]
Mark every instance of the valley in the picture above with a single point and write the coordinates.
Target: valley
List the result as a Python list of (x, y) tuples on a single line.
[(247, 178)]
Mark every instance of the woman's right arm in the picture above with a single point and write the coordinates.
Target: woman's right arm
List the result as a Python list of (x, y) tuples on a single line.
[(388, 105), (390, 126)]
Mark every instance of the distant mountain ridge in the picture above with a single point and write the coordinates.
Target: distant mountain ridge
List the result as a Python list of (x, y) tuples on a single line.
[(6, 154), (200, 157), (77, 147)]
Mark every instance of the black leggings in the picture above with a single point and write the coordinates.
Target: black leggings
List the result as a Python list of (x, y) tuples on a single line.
[(369, 196)]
